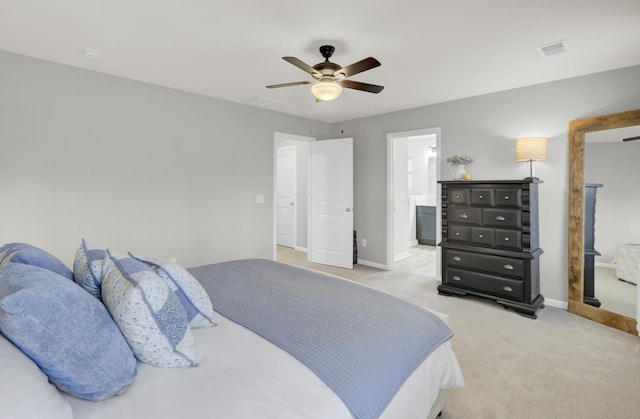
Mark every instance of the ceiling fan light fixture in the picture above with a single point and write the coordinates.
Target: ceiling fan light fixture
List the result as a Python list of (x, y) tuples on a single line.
[(326, 89)]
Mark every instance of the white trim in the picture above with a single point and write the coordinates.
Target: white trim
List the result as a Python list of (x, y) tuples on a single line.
[(556, 303), (605, 265), (372, 264), (300, 249)]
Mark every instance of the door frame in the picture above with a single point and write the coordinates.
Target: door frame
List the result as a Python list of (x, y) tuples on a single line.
[(277, 137), (391, 137)]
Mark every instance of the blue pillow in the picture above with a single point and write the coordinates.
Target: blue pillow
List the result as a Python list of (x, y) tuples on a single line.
[(31, 255), (190, 292), (148, 312), (87, 267), (66, 331)]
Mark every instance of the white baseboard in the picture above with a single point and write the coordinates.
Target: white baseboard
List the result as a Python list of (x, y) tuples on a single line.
[(556, 303), (402, 256), (300, 248), (605, 265), (372, 264)]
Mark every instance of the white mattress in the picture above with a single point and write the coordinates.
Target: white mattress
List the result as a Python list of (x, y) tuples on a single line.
[(240, 375)]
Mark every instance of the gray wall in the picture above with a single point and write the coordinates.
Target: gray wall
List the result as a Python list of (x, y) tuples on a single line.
[(140, 168), (134, 167), (484, 127), (616, 167)]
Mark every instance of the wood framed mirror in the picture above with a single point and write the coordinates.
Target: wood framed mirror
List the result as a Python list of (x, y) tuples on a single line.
[(577, 131)]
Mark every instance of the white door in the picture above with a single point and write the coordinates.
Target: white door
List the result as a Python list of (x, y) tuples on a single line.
[(286, 185), (331, 222)]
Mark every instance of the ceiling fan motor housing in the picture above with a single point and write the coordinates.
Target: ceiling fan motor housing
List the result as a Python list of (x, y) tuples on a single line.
[(327, 51)]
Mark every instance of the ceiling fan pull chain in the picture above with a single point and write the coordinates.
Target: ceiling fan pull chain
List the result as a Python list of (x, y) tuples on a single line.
[(342, 114)]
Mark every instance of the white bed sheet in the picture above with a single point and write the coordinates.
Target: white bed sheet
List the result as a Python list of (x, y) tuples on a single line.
[(240, 375)]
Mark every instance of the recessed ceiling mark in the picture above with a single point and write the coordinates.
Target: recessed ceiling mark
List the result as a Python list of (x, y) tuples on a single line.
[(91, 53), (553, 48)]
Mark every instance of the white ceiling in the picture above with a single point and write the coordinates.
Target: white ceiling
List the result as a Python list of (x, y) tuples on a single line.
[(431, 51)]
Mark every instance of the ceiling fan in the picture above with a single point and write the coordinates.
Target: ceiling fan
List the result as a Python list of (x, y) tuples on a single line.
[(330, 78)]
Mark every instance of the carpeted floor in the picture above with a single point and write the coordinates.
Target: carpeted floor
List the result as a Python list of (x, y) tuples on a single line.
[(615, 295), (558, 366)]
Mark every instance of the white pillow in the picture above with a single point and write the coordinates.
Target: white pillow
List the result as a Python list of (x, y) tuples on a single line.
[(25, 392), (192, 295), (148, 313)]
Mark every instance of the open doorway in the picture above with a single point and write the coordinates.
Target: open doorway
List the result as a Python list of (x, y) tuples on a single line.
[(291, 191), (413, 204)]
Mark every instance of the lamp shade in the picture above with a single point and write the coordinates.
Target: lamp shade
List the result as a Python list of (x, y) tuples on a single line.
[(326, 89), (528, 149)]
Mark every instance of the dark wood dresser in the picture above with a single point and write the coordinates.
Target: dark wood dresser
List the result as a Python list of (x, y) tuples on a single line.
[(590, 252), (490, 242)]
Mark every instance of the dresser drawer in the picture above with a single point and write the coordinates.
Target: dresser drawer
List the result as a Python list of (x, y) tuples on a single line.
[(481, 236), (482, 197), (508, 197), (488, 263), (458, 196), (465, 215), (502, 217), (512, 289), (508, 239), (458, 233)]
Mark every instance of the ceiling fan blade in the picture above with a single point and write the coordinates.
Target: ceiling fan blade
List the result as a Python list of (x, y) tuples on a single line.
[(359, 67), (366, 87), (295, 83), (631, 138), (303, 66)]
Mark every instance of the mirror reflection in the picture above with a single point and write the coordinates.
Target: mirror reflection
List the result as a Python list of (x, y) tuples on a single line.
[(612, 224)]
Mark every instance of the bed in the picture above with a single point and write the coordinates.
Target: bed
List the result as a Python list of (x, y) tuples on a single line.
[(246, 371)]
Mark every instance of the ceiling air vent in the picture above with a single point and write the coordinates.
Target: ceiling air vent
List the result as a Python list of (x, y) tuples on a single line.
[(261, 102), (554, 48)]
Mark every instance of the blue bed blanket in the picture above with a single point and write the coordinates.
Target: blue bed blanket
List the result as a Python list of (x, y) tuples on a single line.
[(361, 342)]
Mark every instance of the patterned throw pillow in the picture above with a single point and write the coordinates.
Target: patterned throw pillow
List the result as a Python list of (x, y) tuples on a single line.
[(31, 255), (148, 313), (67, 332), (87, 267), (190, 292)]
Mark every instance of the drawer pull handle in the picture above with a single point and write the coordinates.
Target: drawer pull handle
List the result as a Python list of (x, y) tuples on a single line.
[(465, 216), (500, 218), (507, 289), (506, 239), (506, 198), (481, 197), (457, 234), (457, 196), (509, 267), (456, 278), (480, 236), (457, 258)]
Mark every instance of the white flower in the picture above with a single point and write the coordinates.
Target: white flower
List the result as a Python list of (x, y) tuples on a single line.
[(460, 159)]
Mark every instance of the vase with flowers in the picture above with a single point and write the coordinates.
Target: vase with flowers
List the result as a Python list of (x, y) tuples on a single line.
[(459, 163)]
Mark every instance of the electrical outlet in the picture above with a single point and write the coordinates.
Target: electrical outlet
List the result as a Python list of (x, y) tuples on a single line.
[(364, 242)]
